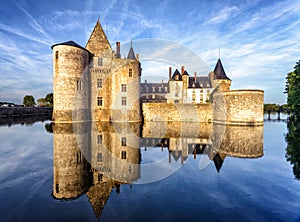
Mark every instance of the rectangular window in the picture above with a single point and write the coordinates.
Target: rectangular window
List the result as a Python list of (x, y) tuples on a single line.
[(123, 155), (123, 141), (123, 87), (99, 139), (78, 85), (123, 101), (130, 72), (99, 157), (201, 97), (56, 55), (99, 83), (79, 157), (100, 177), (153, 88), (100, 62), (194, 97), (99, 101), (57, 188)]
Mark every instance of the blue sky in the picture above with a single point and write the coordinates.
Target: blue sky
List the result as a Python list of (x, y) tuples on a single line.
[(259, 39)]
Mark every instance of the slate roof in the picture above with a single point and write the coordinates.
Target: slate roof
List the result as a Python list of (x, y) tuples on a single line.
[(218, 162), (185, 73), (131, 54), (176, 73), (219, 71), (156, 86), (70, 43), (201, 82)]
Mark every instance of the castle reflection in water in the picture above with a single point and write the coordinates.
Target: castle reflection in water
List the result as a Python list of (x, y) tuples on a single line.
[(95, 157)]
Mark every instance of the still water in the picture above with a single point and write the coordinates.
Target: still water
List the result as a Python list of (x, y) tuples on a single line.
[(154, 172)]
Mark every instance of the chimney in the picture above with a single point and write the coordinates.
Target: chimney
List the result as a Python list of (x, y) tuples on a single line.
[(195, 76), (137, 57), (145, 80), (118, 46), (170, 72), (182, 70), (211, 76), (162, 81)]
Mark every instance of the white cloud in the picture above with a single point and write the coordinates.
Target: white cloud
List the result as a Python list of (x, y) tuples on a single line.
[(223, 15)]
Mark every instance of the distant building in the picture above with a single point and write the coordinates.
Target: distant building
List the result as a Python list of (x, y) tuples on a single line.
[(154, 92)]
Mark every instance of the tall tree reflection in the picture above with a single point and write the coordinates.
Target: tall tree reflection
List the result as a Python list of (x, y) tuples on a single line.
[(293, 146)]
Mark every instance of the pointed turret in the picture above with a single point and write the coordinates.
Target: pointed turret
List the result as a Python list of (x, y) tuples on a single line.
[(219, 71), (220, 78), (131, 54), (98, 43), (218, 161)]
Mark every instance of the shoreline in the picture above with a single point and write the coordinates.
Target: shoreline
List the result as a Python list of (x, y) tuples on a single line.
[(6, 112)]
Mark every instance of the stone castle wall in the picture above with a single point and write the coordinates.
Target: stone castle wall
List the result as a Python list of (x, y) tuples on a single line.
[(241, 107), (177, 112), (131, 111), (71, 173), (116, 138), (71, 87), (238, 141)]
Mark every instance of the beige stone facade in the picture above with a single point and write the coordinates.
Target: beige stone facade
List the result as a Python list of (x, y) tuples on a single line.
[(94, 83), (93, 158)]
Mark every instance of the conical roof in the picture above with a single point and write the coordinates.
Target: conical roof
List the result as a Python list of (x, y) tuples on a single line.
[(131, 54), (98, 43), (70, 43), (219, 71), (218, 162)]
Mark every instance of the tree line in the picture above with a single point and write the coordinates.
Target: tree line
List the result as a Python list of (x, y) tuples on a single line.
[(292, 89), (276, 108), (29, 100)]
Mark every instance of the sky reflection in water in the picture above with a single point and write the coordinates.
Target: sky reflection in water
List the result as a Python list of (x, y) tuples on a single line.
[(256, 189)]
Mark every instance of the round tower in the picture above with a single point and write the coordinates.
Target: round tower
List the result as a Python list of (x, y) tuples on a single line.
[(70, 82), (71, 170)]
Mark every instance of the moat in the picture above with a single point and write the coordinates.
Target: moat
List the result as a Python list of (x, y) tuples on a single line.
[(155, 172)]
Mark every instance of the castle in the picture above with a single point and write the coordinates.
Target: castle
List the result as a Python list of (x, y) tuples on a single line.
[(95, 158), (95, 83)]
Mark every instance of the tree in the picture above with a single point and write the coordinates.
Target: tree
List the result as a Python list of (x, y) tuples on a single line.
[(42, 102), (49, 127), (271, 107), (292, 150), (293, 90), (28, 100), (49, 98)]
